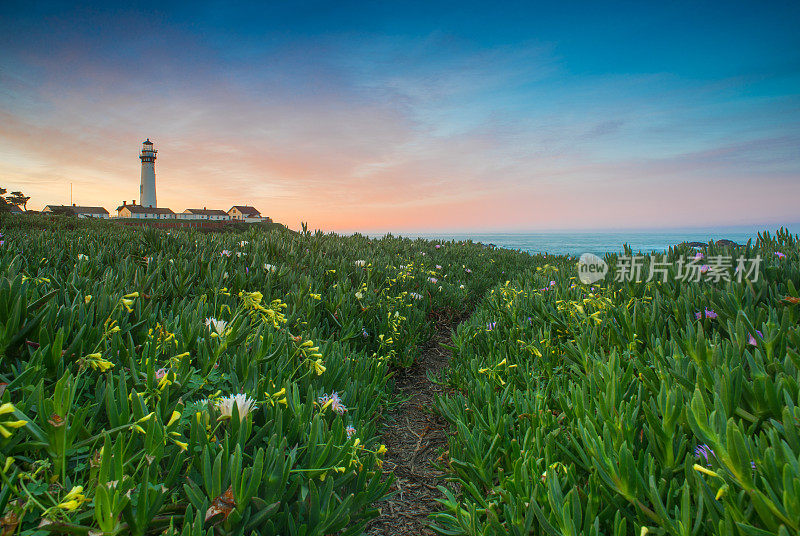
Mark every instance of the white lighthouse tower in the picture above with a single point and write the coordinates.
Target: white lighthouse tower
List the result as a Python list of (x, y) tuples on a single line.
[(147, 191)]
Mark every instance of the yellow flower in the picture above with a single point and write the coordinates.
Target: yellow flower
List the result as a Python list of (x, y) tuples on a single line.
[(382, 449), (131, 295), (319, 367), (703, 470), (175, 416), (87, 299), (8, 407), (73, 499), (163, 382), (316, 296), (181, 444), (97, 362)]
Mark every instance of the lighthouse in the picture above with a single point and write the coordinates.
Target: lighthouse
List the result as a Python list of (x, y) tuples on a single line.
[(147, 191)]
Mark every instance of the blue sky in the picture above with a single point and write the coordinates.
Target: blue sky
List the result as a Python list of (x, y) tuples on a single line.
[(413, 116)]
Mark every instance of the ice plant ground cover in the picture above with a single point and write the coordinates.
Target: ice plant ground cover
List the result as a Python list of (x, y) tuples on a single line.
[(629, 408), (177, 382)]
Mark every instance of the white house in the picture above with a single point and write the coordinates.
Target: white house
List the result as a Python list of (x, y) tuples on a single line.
[(203, 214), (140, 212), (81, 212)]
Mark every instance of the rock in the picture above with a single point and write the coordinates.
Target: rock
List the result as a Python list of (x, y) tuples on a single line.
[(726, 243)]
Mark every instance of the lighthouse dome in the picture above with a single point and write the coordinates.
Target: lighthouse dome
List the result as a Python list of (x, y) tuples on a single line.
[(147, 142)]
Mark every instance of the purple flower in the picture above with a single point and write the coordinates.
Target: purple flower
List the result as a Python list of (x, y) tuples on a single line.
[(552, 283), (698, 257), (246, 270), (709, 313), (780, 255), (350, 431), (468, 270), (752, 340), (160, 373), (364, 333), (490, 326), (706, 452), (2, 242), (438, 246), (703, 451), (704, 268)]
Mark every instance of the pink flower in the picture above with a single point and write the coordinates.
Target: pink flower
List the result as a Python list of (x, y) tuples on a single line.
[(160, 373), (699, 256), (704, 268), (780, 255), (438, 246), (350, 431), (753, 341)]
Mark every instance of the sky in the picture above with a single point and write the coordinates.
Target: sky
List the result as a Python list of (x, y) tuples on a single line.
[(411, 116)]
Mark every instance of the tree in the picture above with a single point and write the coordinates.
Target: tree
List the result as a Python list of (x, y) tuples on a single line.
[(13, 199), (18, 198)]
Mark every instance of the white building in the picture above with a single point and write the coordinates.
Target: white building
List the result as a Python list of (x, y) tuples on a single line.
[(140, 212), (147, 189), (204, 214), (81, 212)]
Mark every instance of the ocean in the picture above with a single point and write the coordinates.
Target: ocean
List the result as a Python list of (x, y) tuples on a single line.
[(599, 243)]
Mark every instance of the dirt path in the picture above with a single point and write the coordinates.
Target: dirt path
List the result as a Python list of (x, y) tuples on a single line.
[(415, 435)]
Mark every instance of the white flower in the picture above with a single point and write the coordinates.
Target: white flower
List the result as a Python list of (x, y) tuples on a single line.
[(415, 295), (244, 404), (82, 257), (225, 252), (359, 295), (218, 326), (433, 280), (243, 243), (269, 268), (360, 263), (438, 266), (461, 287), (225, 275), (239, 254)]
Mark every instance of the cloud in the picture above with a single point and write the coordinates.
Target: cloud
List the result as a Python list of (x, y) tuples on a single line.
[(369, 131)]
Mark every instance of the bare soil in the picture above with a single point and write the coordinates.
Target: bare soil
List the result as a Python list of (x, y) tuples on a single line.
[(416, 439)]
